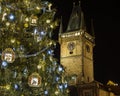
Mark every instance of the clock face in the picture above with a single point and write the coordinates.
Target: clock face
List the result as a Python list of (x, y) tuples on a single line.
[(71, 46)]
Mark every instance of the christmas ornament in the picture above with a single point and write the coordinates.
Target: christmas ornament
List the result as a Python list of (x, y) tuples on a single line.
[(37, 9), (15, 74), (16, 86), (25, 72), (26, 25), (34, 80), (46, 92), (7, 24), (34, 20), (8, 55), (4, 16), (11, 17), (4, 64)]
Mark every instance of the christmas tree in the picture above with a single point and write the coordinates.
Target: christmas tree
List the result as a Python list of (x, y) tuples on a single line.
[(28, 66)]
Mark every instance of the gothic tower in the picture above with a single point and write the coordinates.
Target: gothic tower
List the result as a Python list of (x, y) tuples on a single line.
[(76, 48)]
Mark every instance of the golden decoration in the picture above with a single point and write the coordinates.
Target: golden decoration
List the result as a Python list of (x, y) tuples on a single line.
[(26, 25), (34, 20), (34, 80), (8, 55)]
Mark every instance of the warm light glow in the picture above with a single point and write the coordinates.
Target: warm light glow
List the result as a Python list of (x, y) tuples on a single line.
[(7, 87), (48, 21)]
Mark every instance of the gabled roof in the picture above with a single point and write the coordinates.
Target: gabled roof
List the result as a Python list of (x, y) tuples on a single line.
[(115, 89), (111, 88)]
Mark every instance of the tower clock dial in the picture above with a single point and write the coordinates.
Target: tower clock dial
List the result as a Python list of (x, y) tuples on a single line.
[(71, 46)]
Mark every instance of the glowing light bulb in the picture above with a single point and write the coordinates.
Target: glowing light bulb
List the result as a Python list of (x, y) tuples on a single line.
[(11, 17)]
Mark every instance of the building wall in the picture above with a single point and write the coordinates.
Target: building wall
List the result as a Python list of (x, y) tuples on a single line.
[(76, 55), (93, 89), (105, 93)]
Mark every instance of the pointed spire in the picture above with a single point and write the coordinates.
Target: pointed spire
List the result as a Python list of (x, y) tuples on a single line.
[(79, 3), (82, 23), (76, 20), (61, 26), (92, 28), (73, 4)]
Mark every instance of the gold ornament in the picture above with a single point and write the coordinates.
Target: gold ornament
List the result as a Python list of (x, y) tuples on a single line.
[(18, 28), (34, 20), (56, 92), (51, 26), (27, 19), (34, 80), (8, 55), (37, 9), (18, 42), (42, 64), (7, 87), (49, 6), (48, 21), (26, 2), (7, 24), (26, 25), (39, 66), (13, 40)]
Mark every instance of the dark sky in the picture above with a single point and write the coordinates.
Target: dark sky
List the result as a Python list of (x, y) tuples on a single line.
[(106, 27)]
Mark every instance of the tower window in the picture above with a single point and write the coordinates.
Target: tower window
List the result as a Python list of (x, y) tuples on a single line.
[(88, 48), (88, 79), (71, 52)]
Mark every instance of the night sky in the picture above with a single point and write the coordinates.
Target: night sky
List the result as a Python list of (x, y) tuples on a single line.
[(106, 28)]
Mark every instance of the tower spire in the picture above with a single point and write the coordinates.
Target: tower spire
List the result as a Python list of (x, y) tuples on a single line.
[(76, 21), (61, 26), (92, 28), (79, 3), (73, 4), (82, 23)]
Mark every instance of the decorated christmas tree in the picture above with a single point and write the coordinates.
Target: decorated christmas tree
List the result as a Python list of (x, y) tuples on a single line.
[(28, 66)]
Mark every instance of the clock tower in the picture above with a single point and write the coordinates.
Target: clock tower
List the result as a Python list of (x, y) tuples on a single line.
[(76, 48)]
